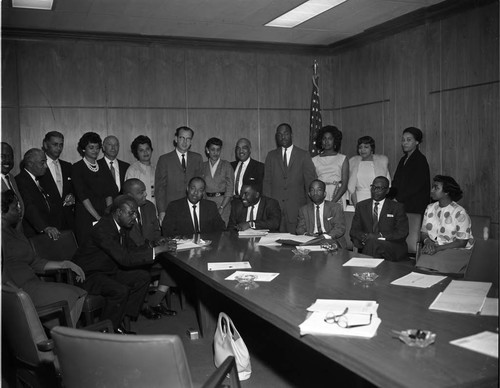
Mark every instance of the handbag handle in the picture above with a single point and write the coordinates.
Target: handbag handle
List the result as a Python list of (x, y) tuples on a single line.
[(226, 326)]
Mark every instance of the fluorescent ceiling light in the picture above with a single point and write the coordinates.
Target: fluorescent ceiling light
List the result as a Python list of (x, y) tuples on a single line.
[(33, 4), (303, 12)]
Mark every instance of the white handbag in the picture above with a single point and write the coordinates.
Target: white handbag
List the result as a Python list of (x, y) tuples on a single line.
[(228, 342)]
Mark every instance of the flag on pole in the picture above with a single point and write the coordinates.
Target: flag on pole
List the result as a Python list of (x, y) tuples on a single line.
[(315, 122)]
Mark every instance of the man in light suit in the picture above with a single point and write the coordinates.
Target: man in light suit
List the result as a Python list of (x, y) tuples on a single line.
[(8, 181), (254, 210), (246, 170), (175, 169), (116, 168), (288, 173), (38, 215), (192, 214), (57, 181), (380, 226), (322, 218)]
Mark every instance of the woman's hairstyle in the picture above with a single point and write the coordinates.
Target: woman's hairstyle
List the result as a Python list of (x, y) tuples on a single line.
[(417, 133), (141, 139), (336, 134), (450, 186), (215, 141), (8, 197), (86, 139), (366, 140)]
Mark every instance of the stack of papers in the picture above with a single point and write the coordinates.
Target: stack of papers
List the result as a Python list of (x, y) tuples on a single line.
[(462, 297), (363, 262), (418, 280), (228, 265), (485, 343), (359, 312), (253, 232), (271, 239)]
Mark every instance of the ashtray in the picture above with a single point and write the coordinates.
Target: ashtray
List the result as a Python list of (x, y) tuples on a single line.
[(203, 243), (330, 247), (246, 281), (365, 276), (301, 251), (416, 337)]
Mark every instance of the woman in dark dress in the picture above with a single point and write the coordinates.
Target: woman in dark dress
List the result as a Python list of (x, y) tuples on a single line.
[(92, 189), (20, 264), (412, 182)]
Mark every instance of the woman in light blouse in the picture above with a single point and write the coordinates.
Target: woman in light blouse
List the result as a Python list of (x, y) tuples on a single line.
[(143, 169)]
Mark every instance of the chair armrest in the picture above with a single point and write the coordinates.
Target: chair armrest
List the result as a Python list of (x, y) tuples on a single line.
[(60, 275), (59, 310), (418, 249), (45, 346), (227, 367)]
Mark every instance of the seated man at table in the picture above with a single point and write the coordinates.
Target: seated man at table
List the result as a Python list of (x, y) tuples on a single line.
[(322, 218), (147, 230), (253, 210), (192, 214), (380, 226), (110, 260)]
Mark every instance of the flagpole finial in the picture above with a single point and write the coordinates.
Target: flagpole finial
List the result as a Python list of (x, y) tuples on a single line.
[(315, 67)]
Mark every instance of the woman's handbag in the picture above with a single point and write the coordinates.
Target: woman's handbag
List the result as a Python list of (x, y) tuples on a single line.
[(228, 342)]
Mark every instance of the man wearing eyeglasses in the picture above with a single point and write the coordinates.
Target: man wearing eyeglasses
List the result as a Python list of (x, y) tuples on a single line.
[(380, 226)]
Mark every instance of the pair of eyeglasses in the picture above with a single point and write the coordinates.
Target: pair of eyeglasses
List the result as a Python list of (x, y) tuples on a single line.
[(378, 188), (342, 320)]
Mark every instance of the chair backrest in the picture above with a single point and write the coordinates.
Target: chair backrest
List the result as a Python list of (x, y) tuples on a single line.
[(348, 223), (414, 225), (91, 359), (483, 264), (57, 250), (22, 328), (478, 225)]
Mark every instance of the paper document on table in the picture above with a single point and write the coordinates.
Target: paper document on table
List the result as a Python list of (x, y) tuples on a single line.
[(419, 280), (253, 232), (313, 248), (339, 305), (259, 276), (228, 265), (363, 262), (187, 244), (462, 297), (490, 307), (270, 239), (484, 343), (315, 324)]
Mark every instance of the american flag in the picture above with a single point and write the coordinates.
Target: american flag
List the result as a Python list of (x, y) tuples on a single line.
[(315, 122)]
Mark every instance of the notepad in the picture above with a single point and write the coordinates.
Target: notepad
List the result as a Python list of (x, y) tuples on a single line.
[(339, 305), (315, 324), (418, 280), (484, 343), (462, 297), (253, 232), (228, 265), (363, 262), (259, 276)]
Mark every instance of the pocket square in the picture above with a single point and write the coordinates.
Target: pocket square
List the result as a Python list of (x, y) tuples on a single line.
[(390, 215), (69, 178), (328, 219)]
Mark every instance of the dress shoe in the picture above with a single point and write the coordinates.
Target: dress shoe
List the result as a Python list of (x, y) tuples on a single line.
[(162, 310), (123, 331), (149, 313)]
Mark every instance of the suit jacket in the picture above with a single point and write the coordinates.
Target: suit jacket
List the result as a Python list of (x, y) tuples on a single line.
[(178, 221), (19, 197), (289, 187), (123, 166), (253, 174), (63, 215), (103, 252), (268, 215), (149, 228), (37, 216), (170, 179), (392, 222), (333, 219)]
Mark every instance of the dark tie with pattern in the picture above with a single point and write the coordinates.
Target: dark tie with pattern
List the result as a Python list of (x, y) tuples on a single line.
[(318, 220), (237, 184), (9, 183), (375, 218), (196, 224), (252, 218), (285, 162), (43, 193), (183, 163)]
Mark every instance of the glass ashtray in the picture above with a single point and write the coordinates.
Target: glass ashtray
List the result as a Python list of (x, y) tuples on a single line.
[(365, 276), (330, 247), (301, 251), (416, 337)]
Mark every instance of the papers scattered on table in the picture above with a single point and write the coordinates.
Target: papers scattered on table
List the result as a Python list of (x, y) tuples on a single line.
[(484, 343), (253, 232), (363, 262), (187, 244), (419, 280), (462, 297), (313, 248), (259, 276), (228, 265), (337, 306), (271, 239), (490, 307)]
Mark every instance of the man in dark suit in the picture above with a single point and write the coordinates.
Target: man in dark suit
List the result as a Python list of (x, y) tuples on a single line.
[(288, 173), (175, 169), (322, 218), (38, 215), (254, 211), (192, 214), (57, 182), (110, 260), (116, 168), (246, 170), (380, 226), (8, 181)]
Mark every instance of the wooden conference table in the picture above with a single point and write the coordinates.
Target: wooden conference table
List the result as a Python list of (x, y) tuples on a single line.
[(383, 360)]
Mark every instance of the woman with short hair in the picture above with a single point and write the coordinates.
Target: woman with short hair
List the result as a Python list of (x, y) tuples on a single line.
[(143, 169)]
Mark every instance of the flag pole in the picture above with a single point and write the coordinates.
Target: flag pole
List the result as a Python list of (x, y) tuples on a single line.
[(315, 122)]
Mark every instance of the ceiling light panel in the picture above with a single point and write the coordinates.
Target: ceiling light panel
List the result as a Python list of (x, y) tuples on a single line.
[(303, 12)]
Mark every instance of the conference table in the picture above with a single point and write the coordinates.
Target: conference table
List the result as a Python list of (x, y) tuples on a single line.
[(382, 360)]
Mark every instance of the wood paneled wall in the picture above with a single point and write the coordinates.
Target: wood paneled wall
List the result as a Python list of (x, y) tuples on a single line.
[(441, 76)]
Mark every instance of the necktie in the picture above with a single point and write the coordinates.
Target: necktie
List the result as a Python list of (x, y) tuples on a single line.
[(183, 163), (375, 218), (9, 183), (59, 183), (123, 238), (196, 224), (237, 184), (285, 163), (43, 193), (139, 221), (318, 220), (112, 169), (252, 219)]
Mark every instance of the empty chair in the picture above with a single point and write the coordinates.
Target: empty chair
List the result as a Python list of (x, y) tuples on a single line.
[(478, 226), (483, 264), (90, 359)]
